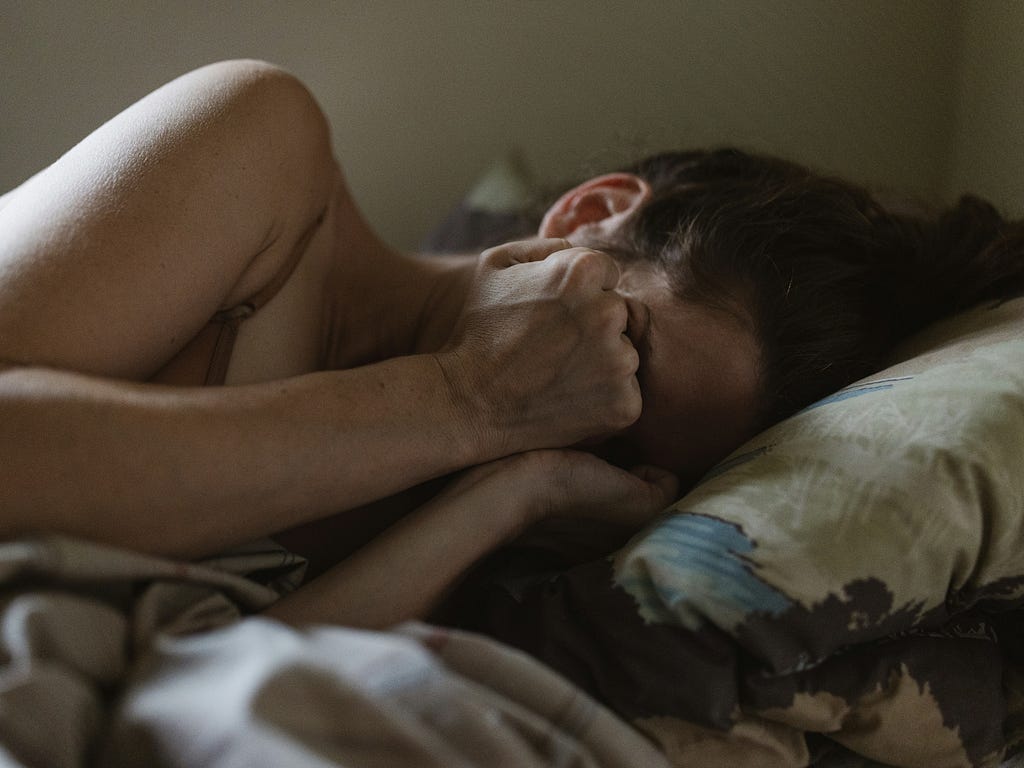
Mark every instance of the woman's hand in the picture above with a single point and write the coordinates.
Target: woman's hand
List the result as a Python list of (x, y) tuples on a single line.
[(540, 349), (406, 571), (574, 484), (543, 484)]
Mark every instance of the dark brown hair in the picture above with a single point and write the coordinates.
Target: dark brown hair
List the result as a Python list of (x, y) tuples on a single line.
[(830, 279)]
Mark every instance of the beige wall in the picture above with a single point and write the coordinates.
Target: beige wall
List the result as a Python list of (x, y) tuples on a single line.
[(988, 144), (422, 94)]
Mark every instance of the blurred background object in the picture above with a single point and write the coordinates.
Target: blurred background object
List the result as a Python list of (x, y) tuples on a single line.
[(919, 96)]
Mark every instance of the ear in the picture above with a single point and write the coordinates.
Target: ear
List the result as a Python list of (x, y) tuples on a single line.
[(598, 206)]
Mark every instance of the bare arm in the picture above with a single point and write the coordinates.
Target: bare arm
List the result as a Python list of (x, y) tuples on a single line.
[(405, 572), (190, 471), (115, 256)]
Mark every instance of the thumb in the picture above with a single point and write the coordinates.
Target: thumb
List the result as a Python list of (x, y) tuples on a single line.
[(634, 497), (663, 486), (522, 251)]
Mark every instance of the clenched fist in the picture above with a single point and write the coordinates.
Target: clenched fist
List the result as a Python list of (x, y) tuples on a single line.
[(540, 350)]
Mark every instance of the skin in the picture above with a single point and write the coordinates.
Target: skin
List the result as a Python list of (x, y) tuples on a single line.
[(370, 372), (698, 365), (698, 373)]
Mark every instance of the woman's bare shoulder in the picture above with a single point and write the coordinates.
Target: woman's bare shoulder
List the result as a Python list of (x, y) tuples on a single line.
[(112, 258)]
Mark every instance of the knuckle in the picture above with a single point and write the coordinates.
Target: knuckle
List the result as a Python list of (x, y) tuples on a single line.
[(621, 363), (492, 256), (561, 260), (613, 313), (555, 244), (630, 360), (517, 251), (588, 260), (581, 268), (625, 410)]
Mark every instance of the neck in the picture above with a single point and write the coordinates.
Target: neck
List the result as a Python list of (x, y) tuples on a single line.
[(387, 304), (443, 300)]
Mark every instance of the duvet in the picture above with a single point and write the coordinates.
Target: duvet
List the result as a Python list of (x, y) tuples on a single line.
[(111, 658)]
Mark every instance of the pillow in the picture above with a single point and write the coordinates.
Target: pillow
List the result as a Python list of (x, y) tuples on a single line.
[(903, 490), (895, 506), (840, 579)]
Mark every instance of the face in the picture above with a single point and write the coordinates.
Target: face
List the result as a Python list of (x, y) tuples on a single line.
[(698, 366), (698, 378)]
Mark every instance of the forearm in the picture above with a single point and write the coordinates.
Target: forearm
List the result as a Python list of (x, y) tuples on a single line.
[(190, 471), (405, 572)]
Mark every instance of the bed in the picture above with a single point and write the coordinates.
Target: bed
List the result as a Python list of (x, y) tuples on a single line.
[(844, 591)]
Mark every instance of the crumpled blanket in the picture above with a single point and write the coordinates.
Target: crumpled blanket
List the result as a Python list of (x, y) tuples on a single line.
[(112, 658)]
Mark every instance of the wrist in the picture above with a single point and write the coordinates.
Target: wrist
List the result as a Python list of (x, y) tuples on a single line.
[(505, 496), (535, 484), (476, 437)]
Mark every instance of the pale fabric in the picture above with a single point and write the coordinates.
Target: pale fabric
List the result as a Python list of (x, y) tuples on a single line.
[(111, 658)]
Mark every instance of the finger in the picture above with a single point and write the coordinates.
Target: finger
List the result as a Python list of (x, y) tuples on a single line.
[(631, 361), (523, 251), (665, 483), (612, 273), (597, 265), (627, 498), (633, 403), (646, 497), (614, 312)]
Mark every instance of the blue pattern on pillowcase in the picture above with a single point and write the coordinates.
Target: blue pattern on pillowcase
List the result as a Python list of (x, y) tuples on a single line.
[(856, 390), (709, 574)]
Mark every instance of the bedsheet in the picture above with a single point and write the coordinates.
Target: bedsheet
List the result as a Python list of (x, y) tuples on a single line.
[(112, 658)]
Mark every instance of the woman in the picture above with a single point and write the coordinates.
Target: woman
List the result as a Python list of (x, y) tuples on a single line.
[(206, 236)]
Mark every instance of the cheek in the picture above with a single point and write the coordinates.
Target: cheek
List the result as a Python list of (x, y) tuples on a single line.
[(661, 437), (680, 436)]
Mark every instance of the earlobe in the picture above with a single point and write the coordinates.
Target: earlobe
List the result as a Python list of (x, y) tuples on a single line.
[(598, 206)]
